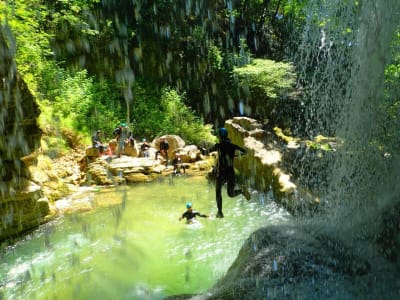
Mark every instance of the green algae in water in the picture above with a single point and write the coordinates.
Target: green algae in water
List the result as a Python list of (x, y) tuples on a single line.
[(137, 249)]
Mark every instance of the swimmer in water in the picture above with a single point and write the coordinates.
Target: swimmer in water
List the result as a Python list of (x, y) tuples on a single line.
[(191, 214)]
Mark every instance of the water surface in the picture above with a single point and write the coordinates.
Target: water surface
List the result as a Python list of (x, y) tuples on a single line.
[(137, 249)]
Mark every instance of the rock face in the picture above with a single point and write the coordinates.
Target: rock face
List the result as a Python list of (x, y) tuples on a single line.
[(21, 206), (286, 262), (112, 170), (262, 166)]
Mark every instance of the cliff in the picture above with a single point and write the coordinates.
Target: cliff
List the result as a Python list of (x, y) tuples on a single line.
[(21, 204)]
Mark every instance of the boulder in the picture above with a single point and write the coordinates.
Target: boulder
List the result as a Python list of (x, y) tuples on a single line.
[(22, 210), (92, 152), (128, 148), (174, 141), (262, 167), (188, 154), (271, 264)]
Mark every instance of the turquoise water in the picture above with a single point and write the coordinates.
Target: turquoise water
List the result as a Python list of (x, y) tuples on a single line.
[(137, 249)]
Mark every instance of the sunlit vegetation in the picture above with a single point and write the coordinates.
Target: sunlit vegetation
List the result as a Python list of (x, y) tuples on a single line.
[(171, 67), (263, 83)]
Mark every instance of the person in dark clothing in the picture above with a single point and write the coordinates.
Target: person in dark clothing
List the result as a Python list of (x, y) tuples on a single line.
[(179, 168), (164, 146), (225, 172), (121, 135), (97, 143), (131, 140), (191, 214), (117, 132), (144, 148)]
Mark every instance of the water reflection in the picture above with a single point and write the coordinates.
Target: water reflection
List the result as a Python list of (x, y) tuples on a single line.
[(136, 249)]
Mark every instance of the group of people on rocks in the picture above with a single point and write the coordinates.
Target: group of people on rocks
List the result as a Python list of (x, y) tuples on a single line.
[(125, 137), (223, 170)]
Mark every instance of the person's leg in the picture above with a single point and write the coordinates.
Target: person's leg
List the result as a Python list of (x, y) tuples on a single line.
[(218, 196), (232, 192), (120, 148)]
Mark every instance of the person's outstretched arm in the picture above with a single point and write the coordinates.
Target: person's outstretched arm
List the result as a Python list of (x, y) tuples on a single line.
[(242, 150), (201, 215)]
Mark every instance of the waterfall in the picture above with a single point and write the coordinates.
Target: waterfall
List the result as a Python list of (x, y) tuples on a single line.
[(346, 46)]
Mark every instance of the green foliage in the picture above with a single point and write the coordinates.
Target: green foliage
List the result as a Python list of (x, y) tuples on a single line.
[(80, 102), (391, 105), (263, 83), (32, 42), (265, 78), (146, 111), (159, 112), (214, 57), (181, 120)]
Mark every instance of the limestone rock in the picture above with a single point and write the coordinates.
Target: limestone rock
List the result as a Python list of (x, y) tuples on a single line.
[(174, 141), (271, 257), (20, 209), (188, 154)]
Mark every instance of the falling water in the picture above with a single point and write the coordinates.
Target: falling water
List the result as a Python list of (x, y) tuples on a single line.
[(347, 45), (344, 50)]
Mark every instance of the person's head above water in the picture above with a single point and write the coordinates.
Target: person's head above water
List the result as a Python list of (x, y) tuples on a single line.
[(222, 133)]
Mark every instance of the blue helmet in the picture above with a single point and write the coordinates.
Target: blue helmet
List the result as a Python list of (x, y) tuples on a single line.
[(188, 205), (223, 133)]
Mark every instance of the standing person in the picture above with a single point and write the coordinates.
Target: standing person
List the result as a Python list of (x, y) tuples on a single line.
[(164, 146), (121, 136), (97, 143), (225, 171), (117, 132), (191, 214), (131, 140)]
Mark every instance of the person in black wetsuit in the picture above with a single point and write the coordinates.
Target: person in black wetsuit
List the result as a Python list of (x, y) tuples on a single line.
[(191, 214), (225, 171)]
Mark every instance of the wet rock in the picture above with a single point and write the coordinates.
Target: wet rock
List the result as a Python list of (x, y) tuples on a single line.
[(286, 262), (175, 142), (189, 153), (263, 167), (22, 210), (19, 136)]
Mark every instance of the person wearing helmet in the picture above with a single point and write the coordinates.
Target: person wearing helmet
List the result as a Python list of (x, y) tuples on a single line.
[(225, 171), (191, 214)]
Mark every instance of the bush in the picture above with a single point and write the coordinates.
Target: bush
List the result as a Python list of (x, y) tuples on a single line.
[(263, 84), (158, 112)]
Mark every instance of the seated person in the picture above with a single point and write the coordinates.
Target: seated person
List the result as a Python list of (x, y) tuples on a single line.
[(144, 149), (178, 166), (97, 143), (164, 146)]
